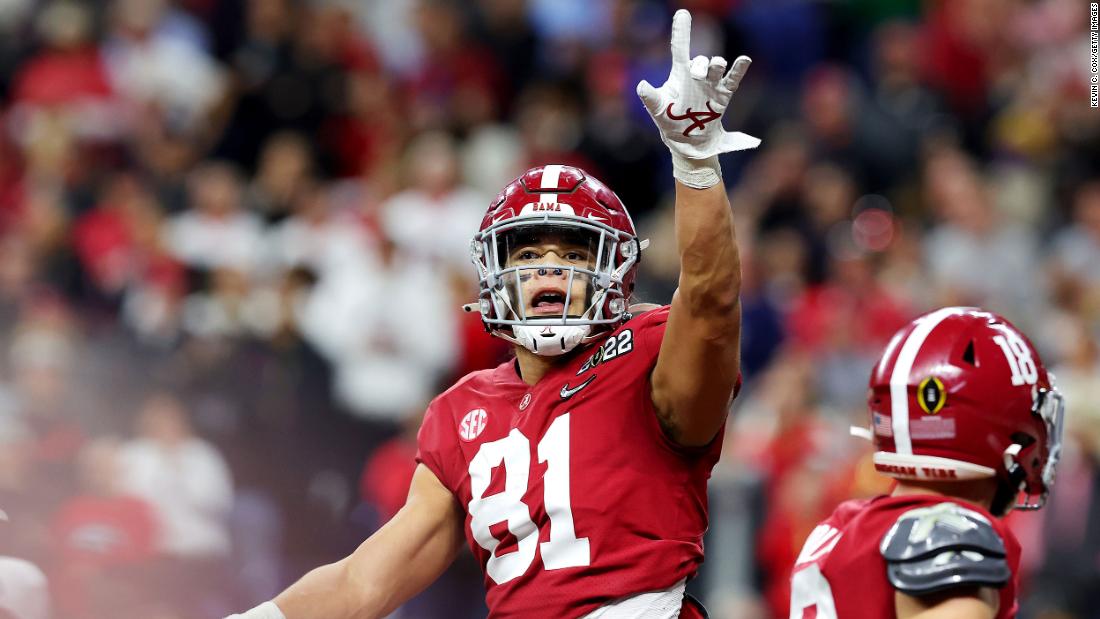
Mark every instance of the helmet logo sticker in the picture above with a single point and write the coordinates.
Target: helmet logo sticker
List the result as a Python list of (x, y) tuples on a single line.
[(473, 424), (932, 428), (931, 395), (881, 424), (534, 208)]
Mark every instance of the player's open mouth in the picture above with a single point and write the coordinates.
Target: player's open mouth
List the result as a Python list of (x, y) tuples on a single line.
[(548, 301)]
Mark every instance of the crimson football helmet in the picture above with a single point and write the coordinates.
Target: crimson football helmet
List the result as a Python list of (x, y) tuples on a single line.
[(960, 393), (549, 305)]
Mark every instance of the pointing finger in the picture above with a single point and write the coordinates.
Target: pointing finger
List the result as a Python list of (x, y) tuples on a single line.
[(681, 37)]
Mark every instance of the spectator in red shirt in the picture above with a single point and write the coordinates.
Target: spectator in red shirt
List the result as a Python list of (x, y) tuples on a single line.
[(103, 538), (118, 243), (68, 74)]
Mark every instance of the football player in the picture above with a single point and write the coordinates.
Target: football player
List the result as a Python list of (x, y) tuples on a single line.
[(969, 422), (576, 473)]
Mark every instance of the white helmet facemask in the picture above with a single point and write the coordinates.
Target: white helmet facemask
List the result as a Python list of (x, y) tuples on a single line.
[(546, 283)]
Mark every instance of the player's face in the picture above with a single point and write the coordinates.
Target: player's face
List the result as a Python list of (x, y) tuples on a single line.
[(547, 272)]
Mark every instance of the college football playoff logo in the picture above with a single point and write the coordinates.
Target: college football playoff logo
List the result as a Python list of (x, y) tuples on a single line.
[(931, 395)]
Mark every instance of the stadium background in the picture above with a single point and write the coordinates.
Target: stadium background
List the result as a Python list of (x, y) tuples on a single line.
[(233, 249)]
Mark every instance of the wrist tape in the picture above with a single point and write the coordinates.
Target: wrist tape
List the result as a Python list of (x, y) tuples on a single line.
[(696, 173)]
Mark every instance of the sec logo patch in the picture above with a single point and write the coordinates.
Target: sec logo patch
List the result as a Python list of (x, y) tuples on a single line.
[(473, 424)]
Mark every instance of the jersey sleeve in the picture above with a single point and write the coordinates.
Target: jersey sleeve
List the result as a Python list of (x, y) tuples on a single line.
[(437, 448), (933, 549), (650, 331)]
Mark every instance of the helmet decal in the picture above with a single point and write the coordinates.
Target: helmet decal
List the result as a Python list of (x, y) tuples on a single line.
[(899, 379), (931, 395)]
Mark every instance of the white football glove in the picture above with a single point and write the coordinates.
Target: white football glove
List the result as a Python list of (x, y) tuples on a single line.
[(688, 109)]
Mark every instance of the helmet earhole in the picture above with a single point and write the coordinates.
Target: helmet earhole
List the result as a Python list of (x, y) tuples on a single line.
[(968, 354), (1022, 439)]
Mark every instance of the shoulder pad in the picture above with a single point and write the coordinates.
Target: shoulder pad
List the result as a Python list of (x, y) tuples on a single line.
[(930, 549)]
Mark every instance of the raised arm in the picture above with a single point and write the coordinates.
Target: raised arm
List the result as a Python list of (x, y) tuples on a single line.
[(699, 362), (394, 564)]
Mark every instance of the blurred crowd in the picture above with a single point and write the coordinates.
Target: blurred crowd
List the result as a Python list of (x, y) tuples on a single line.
[(233, 251)]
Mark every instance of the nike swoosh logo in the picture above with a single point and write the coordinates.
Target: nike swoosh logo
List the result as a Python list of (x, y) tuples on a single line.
[(567, 393)]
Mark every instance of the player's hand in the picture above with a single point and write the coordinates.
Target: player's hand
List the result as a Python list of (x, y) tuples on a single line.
[(688, 107)]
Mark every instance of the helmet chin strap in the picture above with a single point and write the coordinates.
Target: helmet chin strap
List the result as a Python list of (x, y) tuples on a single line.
[(549, 341), (1009, 490)]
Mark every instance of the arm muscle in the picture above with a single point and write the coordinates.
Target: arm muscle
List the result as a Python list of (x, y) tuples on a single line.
[(699, 361)]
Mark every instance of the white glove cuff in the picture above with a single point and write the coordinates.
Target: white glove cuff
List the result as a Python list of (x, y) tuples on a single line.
[(267, 610), (696, 173)]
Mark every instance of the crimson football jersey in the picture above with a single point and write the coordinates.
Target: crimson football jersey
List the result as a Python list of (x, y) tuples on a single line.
[(841, 571), (573, 495)]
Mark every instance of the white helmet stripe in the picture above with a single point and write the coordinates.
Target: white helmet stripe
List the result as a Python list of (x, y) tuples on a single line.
[(888, 354), (550, 176), (899, 379)]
